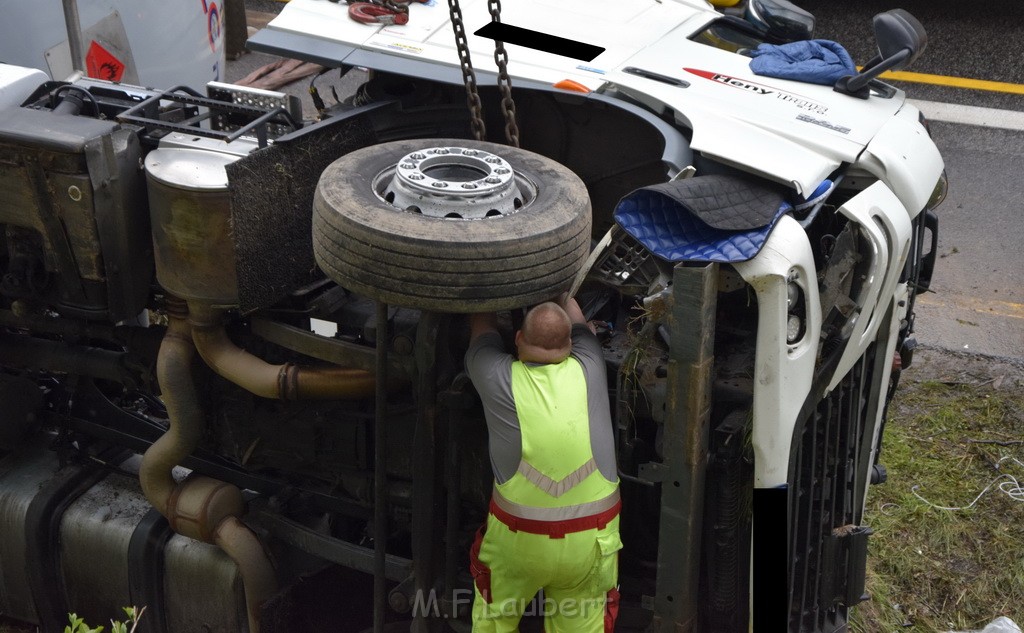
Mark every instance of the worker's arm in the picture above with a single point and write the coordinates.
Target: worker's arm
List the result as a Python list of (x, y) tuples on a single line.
[(571, 308), (482, 323)]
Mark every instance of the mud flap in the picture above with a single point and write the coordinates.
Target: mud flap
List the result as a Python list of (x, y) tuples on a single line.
[(931, 225), (845, 554)]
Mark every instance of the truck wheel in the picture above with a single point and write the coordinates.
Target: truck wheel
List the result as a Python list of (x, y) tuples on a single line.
[(450, 225)]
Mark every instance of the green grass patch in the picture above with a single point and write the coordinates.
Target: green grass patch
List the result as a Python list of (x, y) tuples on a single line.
[(940, 570)]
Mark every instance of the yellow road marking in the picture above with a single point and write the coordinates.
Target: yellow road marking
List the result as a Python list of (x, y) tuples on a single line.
[(954, 82), (991, 308)]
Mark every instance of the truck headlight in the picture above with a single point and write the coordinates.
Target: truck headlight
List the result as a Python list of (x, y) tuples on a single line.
[(939, 193), (797, 310)]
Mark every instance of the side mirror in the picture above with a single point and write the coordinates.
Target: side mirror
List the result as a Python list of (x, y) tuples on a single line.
[(901, 40), (780, 20)]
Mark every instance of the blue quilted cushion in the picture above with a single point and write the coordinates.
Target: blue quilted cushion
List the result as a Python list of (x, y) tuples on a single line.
[(670, 231)]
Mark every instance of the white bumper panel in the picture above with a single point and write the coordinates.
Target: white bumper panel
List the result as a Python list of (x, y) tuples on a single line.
[(885, 223), (783, 371)]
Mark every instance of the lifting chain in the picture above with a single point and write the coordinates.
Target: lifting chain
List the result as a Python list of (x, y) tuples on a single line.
[(508, 106), (468, 76)]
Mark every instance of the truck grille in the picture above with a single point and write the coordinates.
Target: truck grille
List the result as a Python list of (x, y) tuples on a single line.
[(828, 549)]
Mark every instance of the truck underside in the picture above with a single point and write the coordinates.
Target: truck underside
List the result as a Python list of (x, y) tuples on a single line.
[(306, 457)]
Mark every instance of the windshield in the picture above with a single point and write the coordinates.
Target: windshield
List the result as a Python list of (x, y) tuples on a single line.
[(728, 36)]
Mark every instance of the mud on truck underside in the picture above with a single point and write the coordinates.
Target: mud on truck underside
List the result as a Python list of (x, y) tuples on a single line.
[(235, 395)]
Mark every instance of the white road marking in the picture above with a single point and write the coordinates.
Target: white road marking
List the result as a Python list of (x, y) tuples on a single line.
[(970, 115)]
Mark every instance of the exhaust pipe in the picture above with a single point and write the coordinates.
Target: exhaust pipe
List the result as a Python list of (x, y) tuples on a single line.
[(282, 382), (199, 507)]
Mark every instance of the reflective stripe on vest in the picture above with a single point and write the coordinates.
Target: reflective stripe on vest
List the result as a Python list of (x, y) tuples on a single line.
[(557, 488), (563, 513)]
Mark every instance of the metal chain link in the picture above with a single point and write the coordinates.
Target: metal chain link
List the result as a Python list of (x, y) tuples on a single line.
[(508, 106), (468, 76)]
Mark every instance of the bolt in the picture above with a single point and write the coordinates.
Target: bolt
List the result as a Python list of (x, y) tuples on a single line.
[(408, 165), (402, 345), (439, 184), (417, 156), (493, 180), (415, 176), (493, 159), (468, 185), (469, 152), (398, 601)]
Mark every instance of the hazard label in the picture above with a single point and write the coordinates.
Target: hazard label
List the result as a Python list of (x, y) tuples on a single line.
[(102, 64)]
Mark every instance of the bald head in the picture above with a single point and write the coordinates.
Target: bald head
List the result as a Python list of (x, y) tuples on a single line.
[(546, 336)]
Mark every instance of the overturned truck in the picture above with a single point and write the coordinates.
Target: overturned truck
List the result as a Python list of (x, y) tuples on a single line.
[(231, 341)]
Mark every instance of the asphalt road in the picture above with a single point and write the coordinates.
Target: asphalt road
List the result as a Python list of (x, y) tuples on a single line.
[(970, 40), (978, 303), (978, 299)]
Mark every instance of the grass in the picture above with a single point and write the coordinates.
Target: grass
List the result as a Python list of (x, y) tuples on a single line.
[(940, 570)]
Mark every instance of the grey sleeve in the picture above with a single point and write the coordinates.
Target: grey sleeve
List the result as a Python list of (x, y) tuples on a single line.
[(490, 369), (587, 350)]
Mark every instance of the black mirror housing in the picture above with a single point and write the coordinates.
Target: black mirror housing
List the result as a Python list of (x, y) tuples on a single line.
[(897, 30), (900, 38)]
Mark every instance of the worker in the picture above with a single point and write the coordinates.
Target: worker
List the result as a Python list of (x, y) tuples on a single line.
[(554, 513)]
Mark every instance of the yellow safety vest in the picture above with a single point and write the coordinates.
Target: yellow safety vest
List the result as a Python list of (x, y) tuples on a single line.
[(557, 478)]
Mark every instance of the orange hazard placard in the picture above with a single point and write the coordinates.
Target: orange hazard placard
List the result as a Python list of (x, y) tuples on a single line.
[(101, 63)]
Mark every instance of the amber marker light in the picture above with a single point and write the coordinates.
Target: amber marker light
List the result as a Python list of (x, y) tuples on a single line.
[(572, 86)]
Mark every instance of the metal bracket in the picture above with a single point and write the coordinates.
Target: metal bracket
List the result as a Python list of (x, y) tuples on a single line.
[(652, 472)]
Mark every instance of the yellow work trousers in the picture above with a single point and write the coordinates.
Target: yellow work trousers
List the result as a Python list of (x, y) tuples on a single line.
[(578, 574)]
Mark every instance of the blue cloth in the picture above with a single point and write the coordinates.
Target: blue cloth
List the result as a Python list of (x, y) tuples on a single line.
[(820, 193), (811, 61)]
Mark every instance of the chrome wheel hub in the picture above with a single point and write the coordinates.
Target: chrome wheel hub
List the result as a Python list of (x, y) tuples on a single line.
[(454, 182)]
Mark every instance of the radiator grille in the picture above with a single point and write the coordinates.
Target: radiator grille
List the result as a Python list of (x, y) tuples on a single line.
[(827, 549)]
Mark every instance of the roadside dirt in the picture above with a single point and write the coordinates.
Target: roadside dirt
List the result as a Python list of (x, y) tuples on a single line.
[(953, 367)]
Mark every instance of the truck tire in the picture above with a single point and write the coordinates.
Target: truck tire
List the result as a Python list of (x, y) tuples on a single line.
[(450, 264)]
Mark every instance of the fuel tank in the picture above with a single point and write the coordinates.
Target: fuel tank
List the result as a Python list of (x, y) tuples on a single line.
[(85, 540)]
